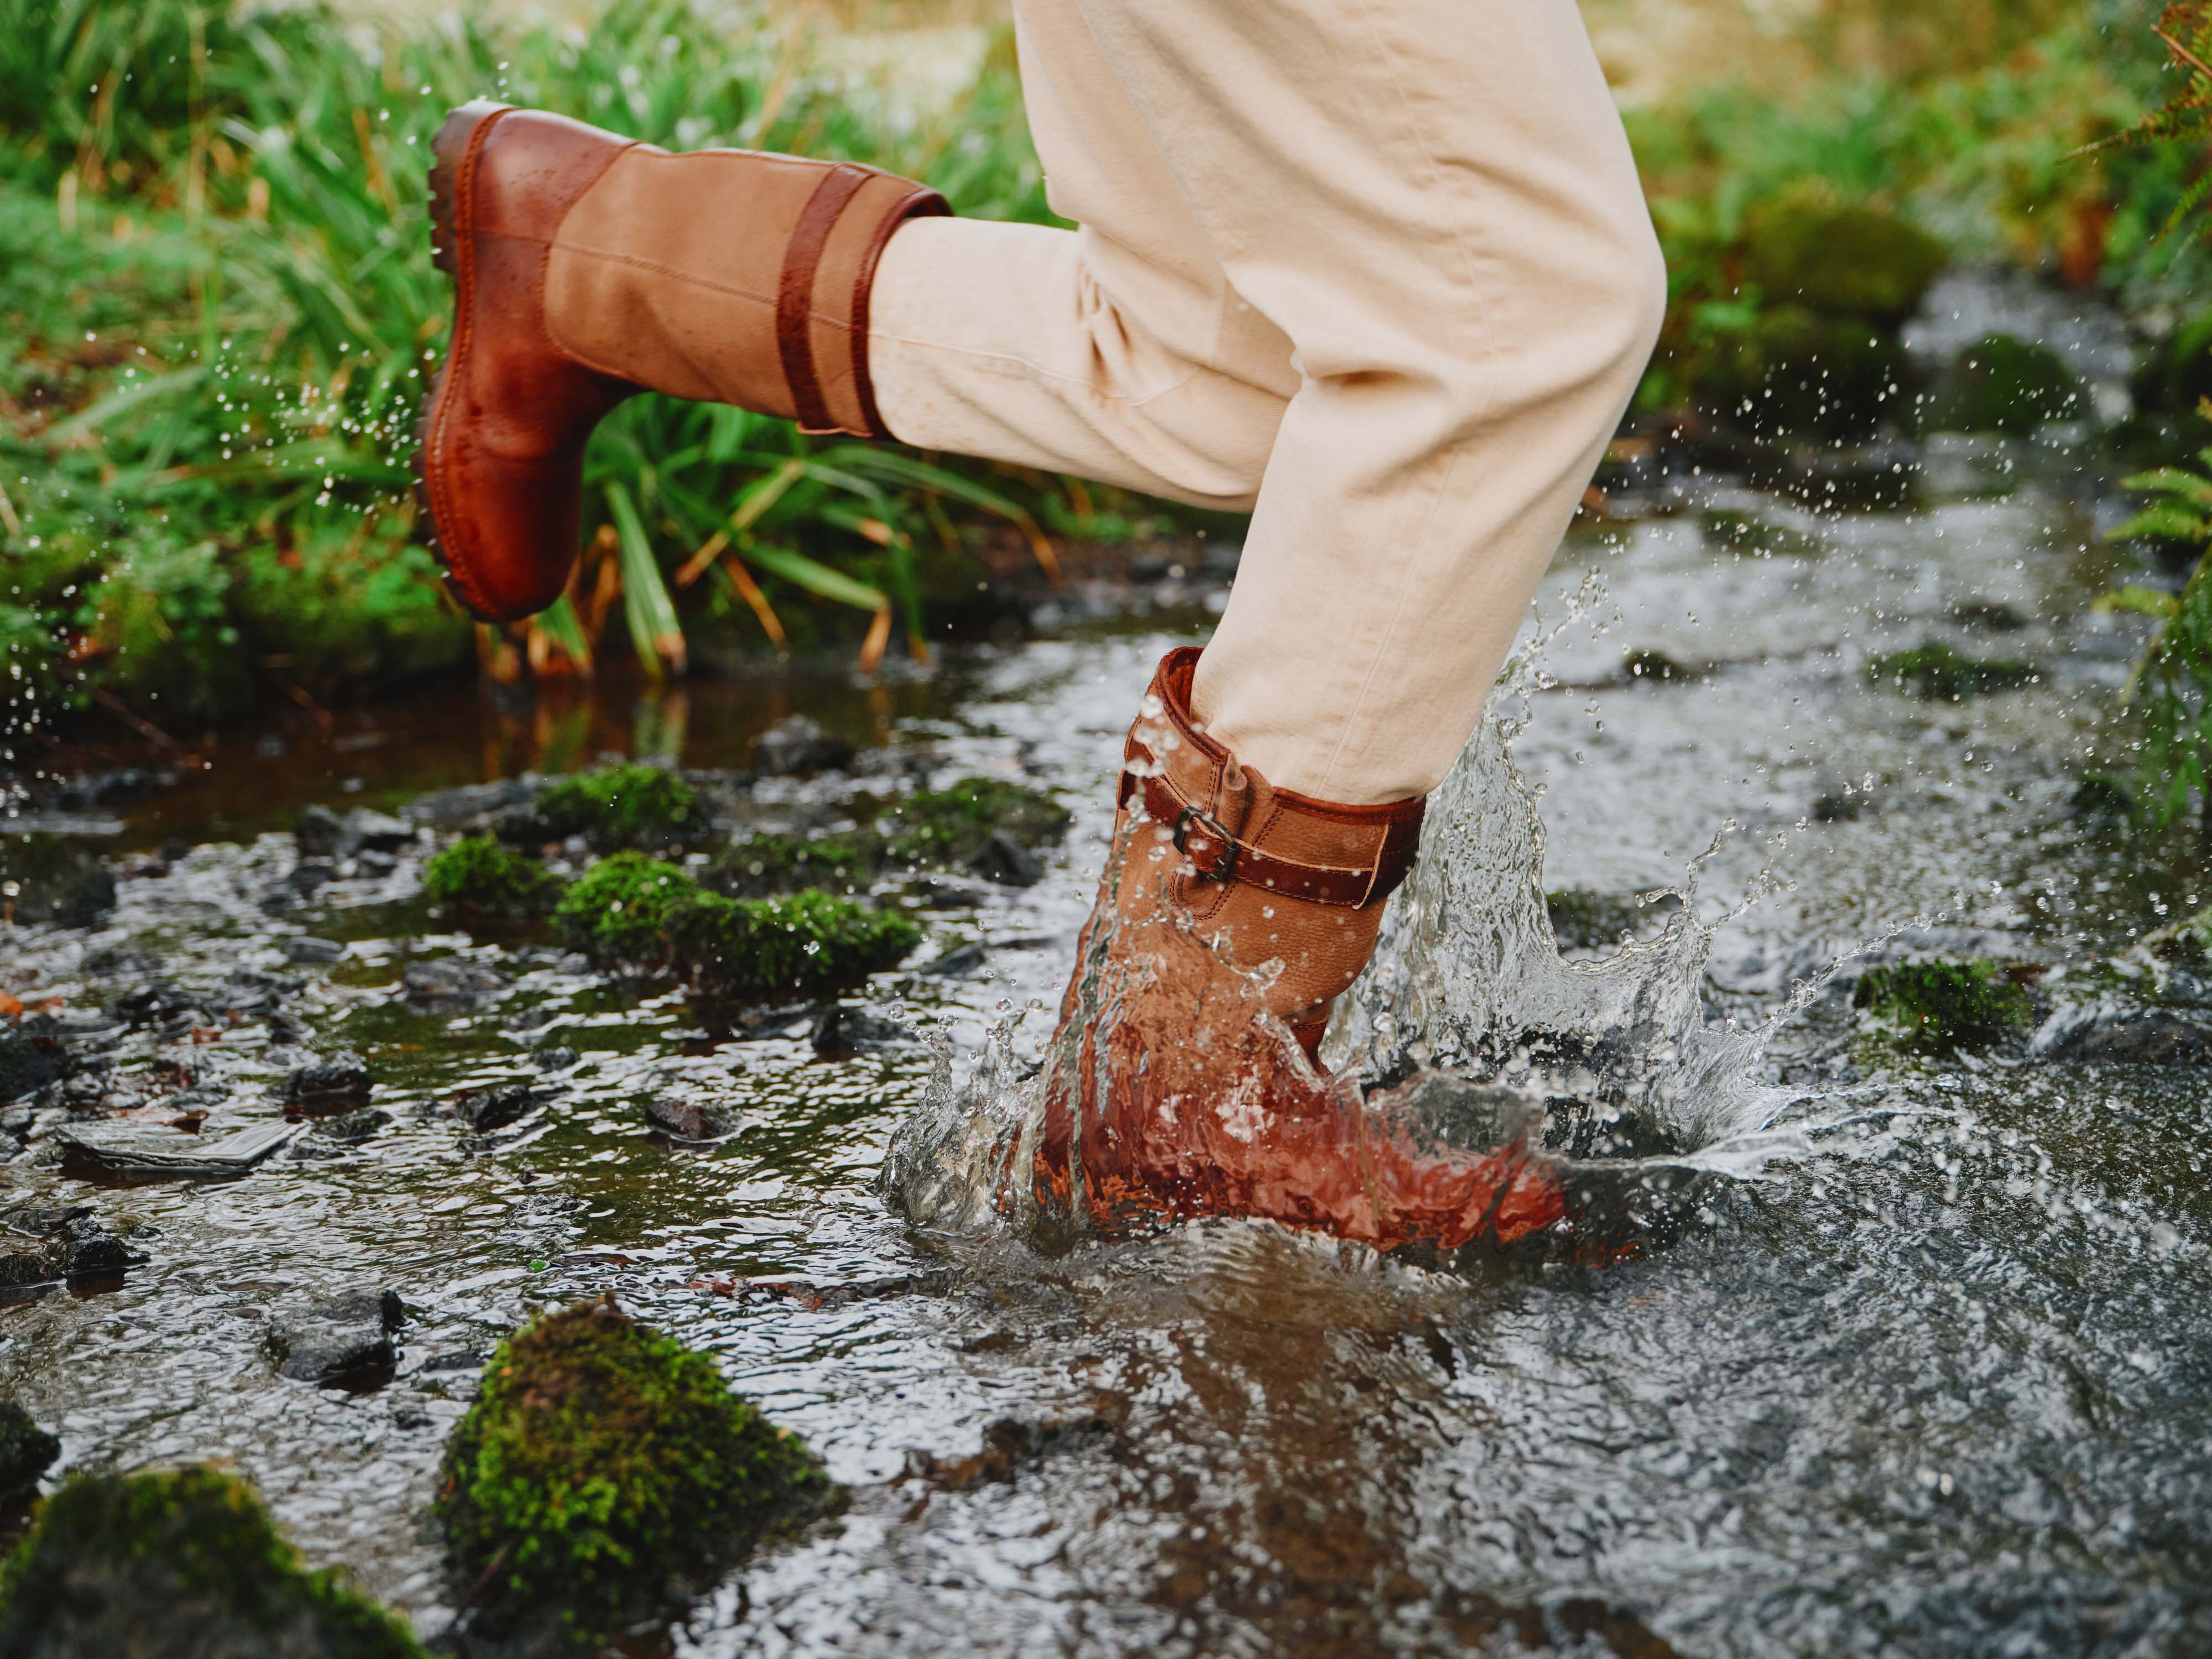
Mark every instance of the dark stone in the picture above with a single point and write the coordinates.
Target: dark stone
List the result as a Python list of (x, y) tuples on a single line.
[(73, 1244), (1838, 806), (287, 1027), (353, 1127), (249, 991), (320, 833), (120, 961), (895, 765), (334, 1083), (31, 1057), (470, 806), (308, 875), (339, 1341), (486, 1109), (47, 880), (451, 982), (306, 948), (1007, 862), (957, 963), (554, 1058), (799, 746), (377, 832), (1649, 665), (2109, 1032), (842, 1030), (690, 1120), (372, 863), (2001, 384), (26, 1451)]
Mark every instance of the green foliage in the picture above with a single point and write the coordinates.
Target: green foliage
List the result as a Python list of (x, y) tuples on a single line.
[(2186, 117), (477, 877), (175, 1564), (2171, 688), (949, 827), (1809, 246), (633, 908), (219, 313), (1934, 1007), (602, 1460), (1941, 674), (621, 806)]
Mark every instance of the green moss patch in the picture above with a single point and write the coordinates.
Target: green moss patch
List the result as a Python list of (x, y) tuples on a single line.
[(764, 864), (1809, 246), (174, 1565), (477, 877), (26, 1449), (1934, 1007), (1942, 675), (633, 908), (621, 806), (2001, 384), (602, 1462), (951, 827)]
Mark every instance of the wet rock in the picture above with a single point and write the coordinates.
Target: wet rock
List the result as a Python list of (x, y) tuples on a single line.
[(2109, 1031), (338, 1341), (690, 1119), (951, 827), (553, 1057), (128, 1153), (687, 1478), (1007, 862), (1009, 1443), (46, 880), (893, 765), (374, 863), (842, 1030), (963, 962), (287, 1029), (946, 895), (336, 1082), (306, 948), (371, 831), (1646, 664), (1843, 803), (2101, 801), (249, 991), (111, 787), (320, 833), (451, 982), (351, 1128), (471, 805), (2003, 383), (789, 1019), (799, 746), (308, 876), (25, 1452), (762, 864), (181, 1563), (1941, 674), (120, 961), (71, 1243), (481, 879), (32, 1057), (1936, 1007), (486, 1109)]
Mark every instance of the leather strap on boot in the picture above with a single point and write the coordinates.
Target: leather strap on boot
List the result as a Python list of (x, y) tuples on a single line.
[(1233, 827)]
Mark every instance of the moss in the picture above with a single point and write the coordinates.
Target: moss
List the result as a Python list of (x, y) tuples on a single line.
[(765, 864), (477, 877), (174, 1564), (621, 806), (2101, 801), (1936, 1006), (2001, 384), (633, 908), (26, 1449), (1796, 369), (1944, 675), (602, 1461), (951, 826), (1808, 245)]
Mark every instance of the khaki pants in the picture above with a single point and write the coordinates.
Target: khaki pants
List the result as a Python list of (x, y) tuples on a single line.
[(1379, 269)]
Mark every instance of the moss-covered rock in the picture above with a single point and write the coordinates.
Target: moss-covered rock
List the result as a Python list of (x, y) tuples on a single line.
[(633, 908), (2101, 801), (1944, 675), (1810, 246), (621, 806), (845, 862), (604, 1464), (952, 827), (25, 1450), (44, 879), (1934, 1007), (1792, 369), (477, 877), (2001, 384), (179, 1565)]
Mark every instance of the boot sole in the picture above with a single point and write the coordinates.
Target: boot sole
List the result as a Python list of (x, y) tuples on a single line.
[(452, 154)]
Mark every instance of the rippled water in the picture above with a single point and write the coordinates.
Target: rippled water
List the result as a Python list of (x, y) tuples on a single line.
[(1922, 1373)]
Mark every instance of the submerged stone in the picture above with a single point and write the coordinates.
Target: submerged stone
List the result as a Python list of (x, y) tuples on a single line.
[(26, 1451), (952, 828), (477, 877), (2101, 801), (797, 746), (2001, 384), (338, 1341), (1941, 674), (845, 862), (2113, 1033), (451, 982), (332, 1083), (690, 1119), (179, 1565), (621, 806), (45, 879), (603, 1465), (1934, 1007)]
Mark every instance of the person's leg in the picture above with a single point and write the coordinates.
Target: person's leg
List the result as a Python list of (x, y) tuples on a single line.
[(1435, 202), (1117, 351)]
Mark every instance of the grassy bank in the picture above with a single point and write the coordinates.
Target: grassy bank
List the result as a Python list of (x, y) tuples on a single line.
[(217, 313)]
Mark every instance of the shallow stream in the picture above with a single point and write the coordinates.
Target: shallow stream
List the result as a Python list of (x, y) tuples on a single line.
[(1926, 1369)]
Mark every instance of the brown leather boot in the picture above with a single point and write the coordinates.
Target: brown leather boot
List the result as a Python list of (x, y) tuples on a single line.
[(587, 267), (1169, 1093)]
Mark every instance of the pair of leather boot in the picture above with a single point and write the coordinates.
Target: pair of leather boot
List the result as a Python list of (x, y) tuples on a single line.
[(587, 268)]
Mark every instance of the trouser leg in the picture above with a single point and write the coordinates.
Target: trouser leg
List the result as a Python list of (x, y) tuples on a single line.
[(1432, 206)]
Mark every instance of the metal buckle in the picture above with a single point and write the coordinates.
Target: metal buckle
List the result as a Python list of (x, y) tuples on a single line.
[(1213, 827)]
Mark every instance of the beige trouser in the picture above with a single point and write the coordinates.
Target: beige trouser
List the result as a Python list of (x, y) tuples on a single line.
[(1380, 270)]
